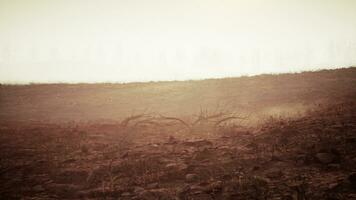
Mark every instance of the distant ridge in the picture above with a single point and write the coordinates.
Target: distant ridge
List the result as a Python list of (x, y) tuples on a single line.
[(258, 96)]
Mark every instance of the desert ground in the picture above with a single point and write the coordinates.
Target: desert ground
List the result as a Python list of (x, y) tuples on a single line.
[(283, 136)]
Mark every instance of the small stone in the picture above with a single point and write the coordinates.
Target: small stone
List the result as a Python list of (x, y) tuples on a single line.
[(147, 195), (325, 158), (38, 188), (126, 194), (205, 154), (172, 140), (333, 186), (171, 165), (195, 189), (191, 177), (138, 190), (84, 149), (95, 176), (334, 166), (152, 186), (125, 155), (177, 166), (183, 190), (214, 187)]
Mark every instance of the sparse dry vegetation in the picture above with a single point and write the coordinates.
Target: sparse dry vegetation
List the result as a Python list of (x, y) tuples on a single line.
[(213, 154)]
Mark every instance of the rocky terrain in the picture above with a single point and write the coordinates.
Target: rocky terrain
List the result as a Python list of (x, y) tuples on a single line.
[(287, 137), (150, 157)]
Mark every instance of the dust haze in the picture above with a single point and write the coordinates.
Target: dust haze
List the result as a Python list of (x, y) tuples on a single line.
[(178, 100)]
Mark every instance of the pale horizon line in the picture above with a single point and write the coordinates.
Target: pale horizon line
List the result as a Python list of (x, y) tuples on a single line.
[(280, 72)]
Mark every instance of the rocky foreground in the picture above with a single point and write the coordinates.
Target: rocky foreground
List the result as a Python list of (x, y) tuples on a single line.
[(310, 157)]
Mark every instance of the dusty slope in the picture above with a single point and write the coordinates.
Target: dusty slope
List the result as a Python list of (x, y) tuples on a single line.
[(258, 95), (312, 157)]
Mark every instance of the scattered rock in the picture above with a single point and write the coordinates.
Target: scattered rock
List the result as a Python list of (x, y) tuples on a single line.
[(177, 166), (152, 186), (333, 186), (125, 155), (97, 175), (334, 166), (182, 191), (138, 190), (172, 140), (199, 143), (196, 189), (84, 149), (214, 187), (213, 169), (326, 158), (38, 188), (191, 178), (126, 194), (205, 154)]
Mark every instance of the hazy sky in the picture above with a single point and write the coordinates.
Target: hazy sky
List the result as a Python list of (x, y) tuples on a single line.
[(140, 40)]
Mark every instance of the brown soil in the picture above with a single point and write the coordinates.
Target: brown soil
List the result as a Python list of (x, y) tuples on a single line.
[(171, 140), (311, 157)]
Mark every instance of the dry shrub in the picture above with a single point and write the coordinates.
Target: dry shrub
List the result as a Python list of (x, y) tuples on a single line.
[(203, 124)]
